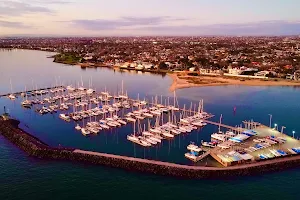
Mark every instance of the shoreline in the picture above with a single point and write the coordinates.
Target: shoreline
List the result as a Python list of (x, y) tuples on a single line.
[(185, 81), (35, 147)]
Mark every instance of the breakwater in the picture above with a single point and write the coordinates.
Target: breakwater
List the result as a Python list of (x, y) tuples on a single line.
[(34, 147)]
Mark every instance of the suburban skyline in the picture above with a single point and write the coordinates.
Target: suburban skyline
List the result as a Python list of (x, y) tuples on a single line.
[(147, 18)]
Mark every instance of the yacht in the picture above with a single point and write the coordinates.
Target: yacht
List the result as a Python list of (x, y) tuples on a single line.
[(70, 88), (208, 144), (167, 134), (64, 117), (155, 139), (132, 138), (77, 127), (85, 132), (26, 103), (149, 140), (219, 137), (130, 119), (90, 91), (146, 133), (148, 115), (104, 126), (12, 97), (193, 147), (154, 130), (122, 121)]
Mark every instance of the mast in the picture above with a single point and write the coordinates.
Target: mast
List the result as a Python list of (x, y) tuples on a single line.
[(11, 90), (220, 123)]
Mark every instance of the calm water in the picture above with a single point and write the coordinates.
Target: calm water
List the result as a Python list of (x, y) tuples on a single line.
[(25, 177)]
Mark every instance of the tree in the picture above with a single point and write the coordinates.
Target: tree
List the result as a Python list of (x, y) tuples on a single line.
[(163, 65)]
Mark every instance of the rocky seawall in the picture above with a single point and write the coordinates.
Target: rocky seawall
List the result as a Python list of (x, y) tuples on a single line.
[(34, 147)]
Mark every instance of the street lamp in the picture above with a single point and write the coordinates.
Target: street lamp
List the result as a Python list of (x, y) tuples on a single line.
[(275, 126), (270, 120), (293, 134)]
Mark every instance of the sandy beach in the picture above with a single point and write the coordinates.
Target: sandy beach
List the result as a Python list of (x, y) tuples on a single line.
[(184, 81)]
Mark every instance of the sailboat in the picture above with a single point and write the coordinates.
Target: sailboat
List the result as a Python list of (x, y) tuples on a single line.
[(81, 88), (90, 90), (123, 95), (26, 103), (78, 127), (11, 96), (133, 137)]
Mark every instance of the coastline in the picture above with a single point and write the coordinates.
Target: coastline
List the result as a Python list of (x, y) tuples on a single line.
[(35, 147), (184, 81)]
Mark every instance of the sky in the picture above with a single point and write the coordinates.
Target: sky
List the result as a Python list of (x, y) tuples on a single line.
[(149, 18)]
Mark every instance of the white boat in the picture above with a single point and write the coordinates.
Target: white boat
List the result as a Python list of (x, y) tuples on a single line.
[(149, 140), (208, 144), (219, 137), (132, 138), (158, 137), (104, 126), (85, 132), (155, 139), (191, 157), (155, 112), (148, 115), (70, 88), (139, 117), (77, 127), (197, 123), (81, 88), (154, 130), (146, 133), (64, 117), (167, 134), (193, 147), (26, 103), (185, 121), (117, 123), (130, 119), (12, 97), (90, 91), (111, 124), (93, 130), (182, 129), (144, 143), (176, 132), (122, 121)]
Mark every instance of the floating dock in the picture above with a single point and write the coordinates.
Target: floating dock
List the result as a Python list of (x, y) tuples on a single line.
[(19, 93)]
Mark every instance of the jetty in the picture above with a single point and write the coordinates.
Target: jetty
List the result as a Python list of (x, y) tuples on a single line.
[(19, 93), (234, 128)]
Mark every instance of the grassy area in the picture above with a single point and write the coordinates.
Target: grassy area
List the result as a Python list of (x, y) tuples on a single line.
[(67, 58)]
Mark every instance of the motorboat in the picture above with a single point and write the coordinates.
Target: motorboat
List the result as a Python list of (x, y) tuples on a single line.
[(77, 127), (85, 131), (193, 147)]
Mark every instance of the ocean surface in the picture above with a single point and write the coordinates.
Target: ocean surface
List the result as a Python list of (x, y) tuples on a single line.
[(24, 177)]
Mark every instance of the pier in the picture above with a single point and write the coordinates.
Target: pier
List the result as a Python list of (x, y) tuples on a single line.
[(19, 93), (224, 125)]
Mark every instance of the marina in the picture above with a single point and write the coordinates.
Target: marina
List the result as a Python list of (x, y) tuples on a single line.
[(68, 116), (154, 121)]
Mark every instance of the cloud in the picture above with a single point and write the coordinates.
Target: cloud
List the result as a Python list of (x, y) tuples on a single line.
[(255, 28), (9, 24), (123, 22), (17, 8), (49, 1)]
